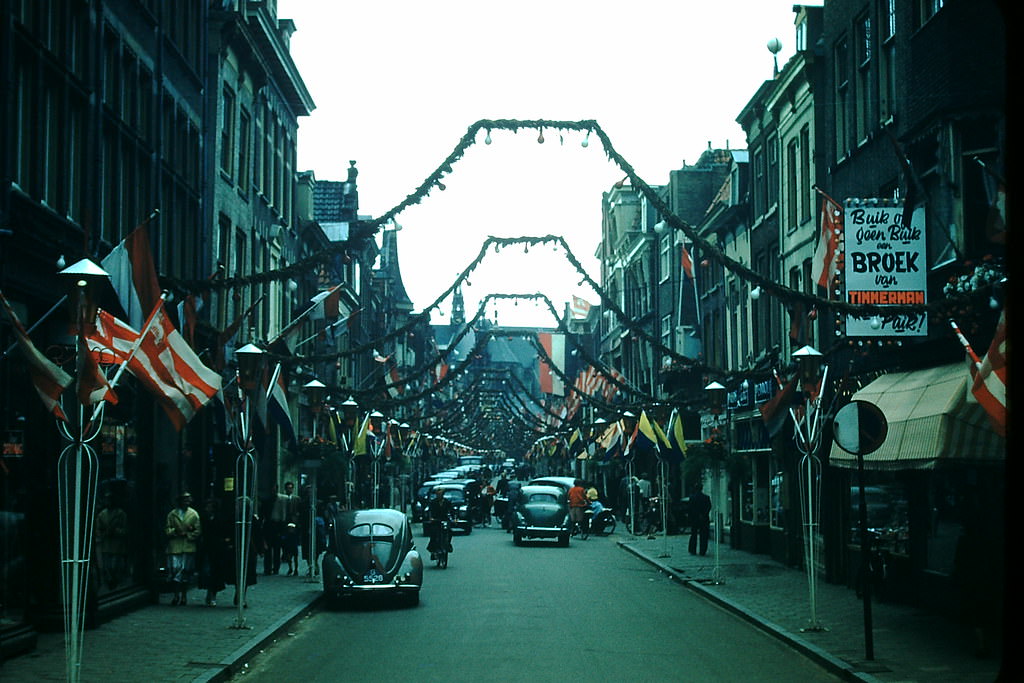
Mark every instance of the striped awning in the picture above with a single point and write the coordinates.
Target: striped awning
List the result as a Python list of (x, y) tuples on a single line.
[(933, 421)]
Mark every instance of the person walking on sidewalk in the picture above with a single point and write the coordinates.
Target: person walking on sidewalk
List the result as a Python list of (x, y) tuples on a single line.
[(700, 521), (280, 509), (213, 558), (183, 529)]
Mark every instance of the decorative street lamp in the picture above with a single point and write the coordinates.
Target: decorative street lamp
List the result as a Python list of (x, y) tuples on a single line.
[(715, 393), (807, 431), (250, 360), (77, 481), (315, 390), (349, 412), (376, 422), (628, 425)]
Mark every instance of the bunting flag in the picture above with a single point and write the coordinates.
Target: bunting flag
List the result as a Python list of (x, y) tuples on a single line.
[(554, 346), (163, 362), (188, 317), (775, 410), (825, 264), (47, 377), (661, 440), (676, 441), (133, 276), (580, 308)]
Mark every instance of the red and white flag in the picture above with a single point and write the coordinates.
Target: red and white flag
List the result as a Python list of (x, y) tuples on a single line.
[(554, 346), (580, 307), (989, 379), (826, 255), (133, 275), (164, 363), (47, 377)]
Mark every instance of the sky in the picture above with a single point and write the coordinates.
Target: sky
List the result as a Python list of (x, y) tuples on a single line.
[(398, 84)]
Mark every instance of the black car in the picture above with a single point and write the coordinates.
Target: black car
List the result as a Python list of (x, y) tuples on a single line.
[(371, 553), (541, 512)]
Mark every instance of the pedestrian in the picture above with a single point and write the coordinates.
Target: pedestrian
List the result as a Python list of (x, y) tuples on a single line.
[(290, 547), (577, 497), (213, 557), (112, 539), (279, 511), (700, 521), (183, 529)]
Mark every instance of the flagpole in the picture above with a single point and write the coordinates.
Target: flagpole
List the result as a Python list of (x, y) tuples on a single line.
[(34, 325)]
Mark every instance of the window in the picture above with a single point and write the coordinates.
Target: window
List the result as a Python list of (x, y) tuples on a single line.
[(842, 98), (666, 331), (887, 63), (863, 93), (243, 151), (227, 132), (665, 256), (805, 190), (772, 172), (793, 189), (928, 9)]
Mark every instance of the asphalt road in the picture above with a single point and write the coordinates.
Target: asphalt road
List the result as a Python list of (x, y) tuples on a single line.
[(536, 613)]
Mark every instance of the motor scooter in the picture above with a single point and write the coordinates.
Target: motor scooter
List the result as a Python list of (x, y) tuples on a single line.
[(602, 523)]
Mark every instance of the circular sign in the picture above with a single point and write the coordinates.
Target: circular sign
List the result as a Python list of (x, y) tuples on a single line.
[(859, 427)]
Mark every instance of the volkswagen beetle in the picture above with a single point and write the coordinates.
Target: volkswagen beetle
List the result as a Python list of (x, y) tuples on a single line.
[(541, 512), (371, 553)]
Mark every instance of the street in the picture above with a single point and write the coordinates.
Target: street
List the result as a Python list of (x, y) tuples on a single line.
[(534, 613)]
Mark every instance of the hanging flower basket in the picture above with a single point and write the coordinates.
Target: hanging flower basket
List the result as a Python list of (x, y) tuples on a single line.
[(712, 454)]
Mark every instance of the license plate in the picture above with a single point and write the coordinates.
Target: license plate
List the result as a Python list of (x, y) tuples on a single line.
[(373, 576)]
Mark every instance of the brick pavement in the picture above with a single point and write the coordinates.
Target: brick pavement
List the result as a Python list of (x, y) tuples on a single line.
[(910, 645), (201, 644), (160, 643)]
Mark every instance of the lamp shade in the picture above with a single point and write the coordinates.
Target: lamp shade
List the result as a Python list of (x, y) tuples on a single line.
[(315, 389), (715, 393), (250, 365), (809, 361)]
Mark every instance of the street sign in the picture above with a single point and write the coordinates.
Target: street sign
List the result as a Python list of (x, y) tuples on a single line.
[(859, 427)]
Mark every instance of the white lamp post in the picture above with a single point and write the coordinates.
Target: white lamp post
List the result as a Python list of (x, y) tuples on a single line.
[(314, 389), (807, 432), (715, 393), (250, 360)]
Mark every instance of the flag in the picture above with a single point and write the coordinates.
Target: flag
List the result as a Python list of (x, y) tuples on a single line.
[(676, 441), (580, 307), (163, 362), (361, 445), (554, 346), (661, 440), (226, 339), (687, 263), (988, 379), (93, 386), (577, 445), (133, 276), (774, 411), (797, 324), (611, 440), (188, 316), (326, 305), (825, 264), (47, 377), (275, 400), (396, 386), (644, 440)]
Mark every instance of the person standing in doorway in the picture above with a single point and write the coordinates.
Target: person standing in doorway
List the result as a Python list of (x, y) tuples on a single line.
[(700, 521), (183, 529)]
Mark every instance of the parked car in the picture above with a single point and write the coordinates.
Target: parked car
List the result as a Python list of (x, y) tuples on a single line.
[(541, 512), (371, 553), (455, 492)]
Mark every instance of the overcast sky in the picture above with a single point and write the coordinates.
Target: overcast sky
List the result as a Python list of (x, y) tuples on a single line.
[(397, 84)]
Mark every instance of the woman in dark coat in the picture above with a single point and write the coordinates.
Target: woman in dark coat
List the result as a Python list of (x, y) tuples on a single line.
[(213, 558)]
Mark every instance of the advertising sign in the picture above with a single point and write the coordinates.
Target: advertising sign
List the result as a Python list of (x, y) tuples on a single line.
[(885, 264)]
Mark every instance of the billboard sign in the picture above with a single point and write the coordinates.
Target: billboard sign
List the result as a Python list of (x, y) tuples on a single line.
[(885, 264)]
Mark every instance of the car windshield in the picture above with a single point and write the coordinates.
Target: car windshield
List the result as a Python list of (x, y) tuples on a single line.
[(375, 531), (543, 498), (455, 495)]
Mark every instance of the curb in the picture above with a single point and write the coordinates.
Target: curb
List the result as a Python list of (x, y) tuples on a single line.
[(232, 664), (813, 652)]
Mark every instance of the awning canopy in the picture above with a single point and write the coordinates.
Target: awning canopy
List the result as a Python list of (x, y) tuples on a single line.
[(932, 419)]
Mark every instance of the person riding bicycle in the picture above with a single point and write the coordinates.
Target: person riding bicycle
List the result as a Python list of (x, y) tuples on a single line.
[(439, 510), (578, 505)]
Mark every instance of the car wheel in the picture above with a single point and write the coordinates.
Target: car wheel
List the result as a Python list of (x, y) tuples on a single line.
[(413, 599), (517, 538), (563, 540)]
